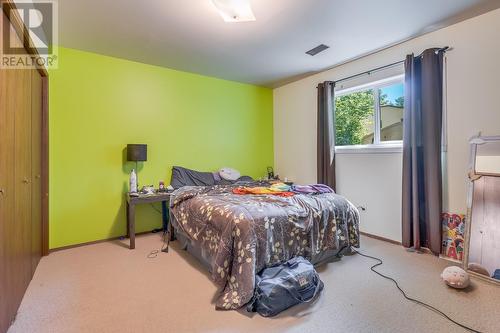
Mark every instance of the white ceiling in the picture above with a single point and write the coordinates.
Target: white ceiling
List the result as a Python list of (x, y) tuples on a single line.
[(190, 35)]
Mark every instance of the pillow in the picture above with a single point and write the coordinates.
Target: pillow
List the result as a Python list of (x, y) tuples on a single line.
[(245, 179), (229, 174), (186, 177)]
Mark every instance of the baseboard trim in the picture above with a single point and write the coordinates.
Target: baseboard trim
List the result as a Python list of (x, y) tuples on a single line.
[(380, 238), (72, 246), (147, 232)]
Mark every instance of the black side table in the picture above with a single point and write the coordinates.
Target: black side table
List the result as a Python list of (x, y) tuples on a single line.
[(163, 197)]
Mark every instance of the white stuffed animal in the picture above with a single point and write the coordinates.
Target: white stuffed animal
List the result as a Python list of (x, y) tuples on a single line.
[(455, 277)]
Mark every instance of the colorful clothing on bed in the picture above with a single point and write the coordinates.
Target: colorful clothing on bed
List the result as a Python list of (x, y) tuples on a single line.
[(280, 189), (261, 190), (241, 234), (312, 189), (284, 190)]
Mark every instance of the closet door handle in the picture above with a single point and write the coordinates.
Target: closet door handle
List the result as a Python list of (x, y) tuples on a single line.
[(37, 176), (26, 180), (1, 191)]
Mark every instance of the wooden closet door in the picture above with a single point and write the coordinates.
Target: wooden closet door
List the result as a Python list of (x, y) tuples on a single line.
[(21, 102), (6, 197), (20, 234), (36, 171), (17, 231), (36, 168), (15, 199), (6, 192)]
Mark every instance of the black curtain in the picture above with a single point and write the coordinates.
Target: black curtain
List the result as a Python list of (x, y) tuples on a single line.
[(422, 192), (326, 134)]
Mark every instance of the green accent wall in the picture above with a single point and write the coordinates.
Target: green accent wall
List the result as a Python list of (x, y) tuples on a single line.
[(98, 104)]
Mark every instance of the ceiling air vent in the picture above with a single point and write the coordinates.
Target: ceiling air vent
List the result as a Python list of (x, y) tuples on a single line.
[(317, 49)]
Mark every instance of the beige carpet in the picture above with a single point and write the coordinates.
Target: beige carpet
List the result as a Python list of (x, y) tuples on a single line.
[(109, 288)]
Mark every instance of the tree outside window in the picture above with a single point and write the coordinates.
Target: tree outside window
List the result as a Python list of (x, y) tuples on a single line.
[(355, 115)]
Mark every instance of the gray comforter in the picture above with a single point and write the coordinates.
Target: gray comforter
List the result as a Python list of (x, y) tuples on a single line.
[(242, 234)]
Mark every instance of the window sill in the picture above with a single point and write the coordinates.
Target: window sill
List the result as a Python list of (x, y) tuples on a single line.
[(393, 148)]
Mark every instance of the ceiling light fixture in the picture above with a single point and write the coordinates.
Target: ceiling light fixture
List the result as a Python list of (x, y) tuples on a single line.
[(234, 10)]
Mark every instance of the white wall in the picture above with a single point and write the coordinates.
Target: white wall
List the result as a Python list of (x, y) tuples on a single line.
[(374, 182), (473, 68)]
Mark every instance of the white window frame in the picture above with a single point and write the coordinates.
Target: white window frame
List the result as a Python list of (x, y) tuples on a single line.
[(377, 146)]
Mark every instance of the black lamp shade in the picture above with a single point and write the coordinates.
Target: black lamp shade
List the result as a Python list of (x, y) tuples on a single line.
[(137, 152)]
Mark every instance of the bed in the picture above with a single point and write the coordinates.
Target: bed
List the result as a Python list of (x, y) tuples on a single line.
[(235, 236)]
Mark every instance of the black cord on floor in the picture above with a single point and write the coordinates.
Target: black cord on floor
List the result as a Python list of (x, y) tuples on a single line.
[(430, 307), (166, 238), (166, 241), (164, 247)]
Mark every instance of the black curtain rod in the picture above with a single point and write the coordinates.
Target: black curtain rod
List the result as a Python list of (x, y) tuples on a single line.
[(443, 49), (369, 72)]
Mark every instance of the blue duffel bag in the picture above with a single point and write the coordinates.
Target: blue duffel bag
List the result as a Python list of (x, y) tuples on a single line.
[(280, 287)]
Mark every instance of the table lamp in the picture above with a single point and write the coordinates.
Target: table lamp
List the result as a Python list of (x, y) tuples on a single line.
[(137, 153)]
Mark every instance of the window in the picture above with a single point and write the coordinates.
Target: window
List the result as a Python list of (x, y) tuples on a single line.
[(370, 114)]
